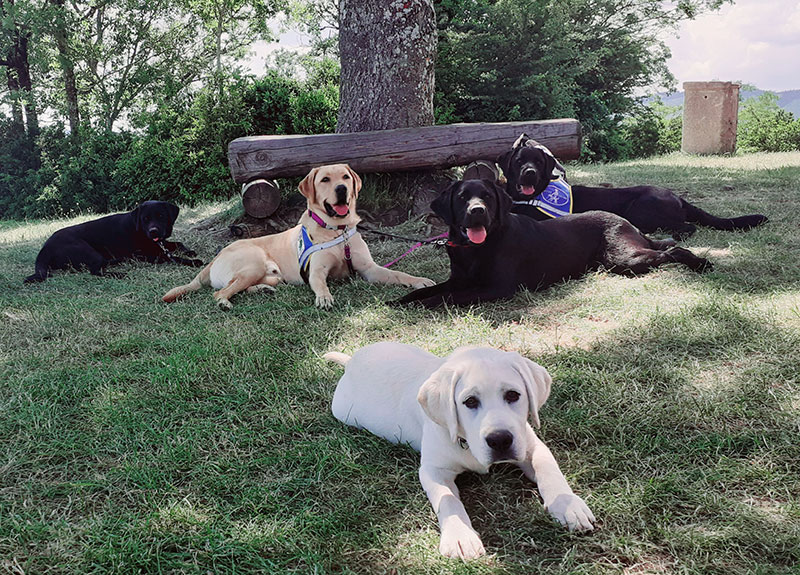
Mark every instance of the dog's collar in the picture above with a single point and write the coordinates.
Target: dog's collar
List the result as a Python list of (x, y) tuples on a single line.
[(451, 244), (321, 223)]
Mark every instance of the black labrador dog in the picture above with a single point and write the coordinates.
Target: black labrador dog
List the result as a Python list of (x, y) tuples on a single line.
[(141, 234), (493, 251), (530, 168)]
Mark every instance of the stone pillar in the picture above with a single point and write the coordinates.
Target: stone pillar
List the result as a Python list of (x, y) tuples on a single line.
[(710, 117)]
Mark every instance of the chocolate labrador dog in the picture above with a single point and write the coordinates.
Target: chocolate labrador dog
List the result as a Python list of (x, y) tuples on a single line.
[(530, 169), (141, 234), (493, 252)]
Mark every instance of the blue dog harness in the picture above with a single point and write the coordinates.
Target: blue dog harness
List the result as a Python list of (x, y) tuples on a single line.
[(555, 201), (306, 247)]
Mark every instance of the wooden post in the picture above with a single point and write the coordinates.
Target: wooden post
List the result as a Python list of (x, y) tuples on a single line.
[(710, 117), (260, 198), (395, 150)]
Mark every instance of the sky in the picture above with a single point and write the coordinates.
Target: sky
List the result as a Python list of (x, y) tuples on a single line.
[(753, 41)]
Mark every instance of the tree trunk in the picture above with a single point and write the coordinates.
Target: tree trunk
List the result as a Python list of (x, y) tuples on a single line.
[(26, 86), (70, 85), (18, 75), (387, 52), (17, 118)]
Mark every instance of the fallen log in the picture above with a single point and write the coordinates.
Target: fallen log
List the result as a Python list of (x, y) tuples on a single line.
[(402, 149)]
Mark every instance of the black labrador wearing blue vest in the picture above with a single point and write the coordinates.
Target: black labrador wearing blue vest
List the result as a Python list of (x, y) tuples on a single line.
[(139, 234), (494, 252), (528, 168)]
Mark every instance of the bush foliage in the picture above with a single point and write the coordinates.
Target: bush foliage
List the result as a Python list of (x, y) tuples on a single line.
[(177, 151)]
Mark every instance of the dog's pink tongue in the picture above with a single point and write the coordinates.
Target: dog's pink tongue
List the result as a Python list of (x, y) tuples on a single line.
[(341, 209), (527, 190), (476, 235)]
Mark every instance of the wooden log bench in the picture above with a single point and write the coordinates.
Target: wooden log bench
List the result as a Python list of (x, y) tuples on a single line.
[(403, 149)]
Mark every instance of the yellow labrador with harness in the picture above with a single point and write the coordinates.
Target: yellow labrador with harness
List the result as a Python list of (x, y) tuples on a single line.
[(324, 244)]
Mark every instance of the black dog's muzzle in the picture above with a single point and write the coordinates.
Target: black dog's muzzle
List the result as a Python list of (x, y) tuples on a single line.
[(155, 233)]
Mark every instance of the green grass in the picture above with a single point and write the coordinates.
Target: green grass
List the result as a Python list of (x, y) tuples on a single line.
[(137, 436)]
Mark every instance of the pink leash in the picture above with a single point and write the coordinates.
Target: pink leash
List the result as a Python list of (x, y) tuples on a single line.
[(414, 247)]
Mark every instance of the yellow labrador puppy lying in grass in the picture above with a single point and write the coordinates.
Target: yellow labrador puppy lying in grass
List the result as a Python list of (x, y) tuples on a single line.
[(463, 413), (324, 244)]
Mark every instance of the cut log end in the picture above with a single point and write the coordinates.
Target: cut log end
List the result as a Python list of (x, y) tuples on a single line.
[(260, 198)]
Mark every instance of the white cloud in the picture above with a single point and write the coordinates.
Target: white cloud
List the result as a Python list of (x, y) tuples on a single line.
[(753, 41)]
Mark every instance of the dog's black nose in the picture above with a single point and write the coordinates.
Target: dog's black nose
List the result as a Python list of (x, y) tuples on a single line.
[(500, 441), (477, 210), (341, 194), (528, 172)]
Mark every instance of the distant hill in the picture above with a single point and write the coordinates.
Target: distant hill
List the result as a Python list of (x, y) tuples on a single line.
[(788, 100)]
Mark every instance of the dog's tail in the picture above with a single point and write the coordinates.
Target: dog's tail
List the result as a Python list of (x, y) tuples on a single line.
[(42, 268), (697, 216), (200, 280), (337, 357)]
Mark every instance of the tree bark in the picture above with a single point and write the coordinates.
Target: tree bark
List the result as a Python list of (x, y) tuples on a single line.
[(18, 75), (26, 86), (387, 50), (68, 68), (401, 149)]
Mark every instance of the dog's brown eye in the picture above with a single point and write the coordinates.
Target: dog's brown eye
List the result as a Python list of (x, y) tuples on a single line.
[(472, 402), (345, 177), (325, 179), (511, 396)]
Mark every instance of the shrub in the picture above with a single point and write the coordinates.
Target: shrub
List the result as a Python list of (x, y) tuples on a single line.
[(766, 127), (175, 151)]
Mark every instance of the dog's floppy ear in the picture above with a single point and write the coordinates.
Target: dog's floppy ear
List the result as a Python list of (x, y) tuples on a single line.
[(172, 211), (537, 385), (504, 201), (504, 161), (136, 215), (356, 180), (550, 166), (306, 187), (442, 206), (521, 141), (437, 396)]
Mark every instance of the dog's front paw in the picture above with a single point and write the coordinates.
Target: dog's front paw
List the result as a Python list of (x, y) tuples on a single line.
[(422, 283), (324, 300), (197, 263), (189, 253), (572, 512), (461, 542)]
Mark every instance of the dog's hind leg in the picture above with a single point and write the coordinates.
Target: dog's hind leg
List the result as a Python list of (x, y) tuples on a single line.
[(660, 245), (259, 288), (238, 284), (687, 258), (643, 260), (200, 280)]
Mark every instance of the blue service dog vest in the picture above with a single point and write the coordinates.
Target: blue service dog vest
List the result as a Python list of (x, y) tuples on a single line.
[(555, 201)]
